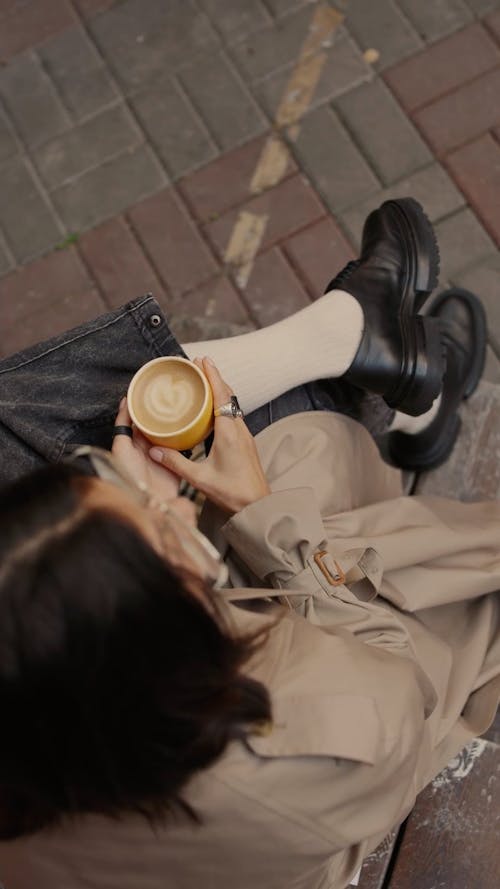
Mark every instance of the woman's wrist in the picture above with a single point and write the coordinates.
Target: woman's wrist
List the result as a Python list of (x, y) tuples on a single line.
[(246, 500)]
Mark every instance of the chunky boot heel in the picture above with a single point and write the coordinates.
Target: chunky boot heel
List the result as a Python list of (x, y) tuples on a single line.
[(424, 356), (445, 306), (463, 334), (407, 449)]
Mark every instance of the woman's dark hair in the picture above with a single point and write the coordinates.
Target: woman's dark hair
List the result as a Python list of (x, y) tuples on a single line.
[(116, 684)]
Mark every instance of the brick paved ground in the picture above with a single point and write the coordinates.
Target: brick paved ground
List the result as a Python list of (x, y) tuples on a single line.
[(131, 131)]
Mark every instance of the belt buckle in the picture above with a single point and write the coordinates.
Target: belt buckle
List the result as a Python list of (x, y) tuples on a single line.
[(337, 579)]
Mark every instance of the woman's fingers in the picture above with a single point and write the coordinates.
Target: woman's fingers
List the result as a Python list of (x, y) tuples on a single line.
[(231, 476), (141, 441), (123, 417), (176, 463), (221, 391), (208, 476), (122, 443)]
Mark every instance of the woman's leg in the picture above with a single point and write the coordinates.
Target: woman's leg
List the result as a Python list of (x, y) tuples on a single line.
[(291, 366), (318, 342), (324, 395), (66, 391)]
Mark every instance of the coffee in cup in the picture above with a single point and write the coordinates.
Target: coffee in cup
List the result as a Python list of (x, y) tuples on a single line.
[(170, 401)]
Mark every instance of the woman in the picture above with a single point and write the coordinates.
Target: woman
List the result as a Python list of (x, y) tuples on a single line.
[(270, 733)]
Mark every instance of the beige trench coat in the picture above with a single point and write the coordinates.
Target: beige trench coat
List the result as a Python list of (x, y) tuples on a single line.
[(385, 663)]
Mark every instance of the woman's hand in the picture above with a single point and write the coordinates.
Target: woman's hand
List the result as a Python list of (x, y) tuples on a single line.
[(231, 476), (133, 454)]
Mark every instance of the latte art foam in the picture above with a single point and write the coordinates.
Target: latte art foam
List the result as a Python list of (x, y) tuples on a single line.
[(168, 398)]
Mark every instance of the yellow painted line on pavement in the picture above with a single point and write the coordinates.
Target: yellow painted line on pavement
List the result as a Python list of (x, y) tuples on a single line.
[(244, 243), (272, 164), (305, 76), (301, 88), (271, 167)]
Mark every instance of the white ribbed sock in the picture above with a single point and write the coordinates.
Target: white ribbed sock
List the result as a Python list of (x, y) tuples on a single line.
[(317, 342), (414, 425)]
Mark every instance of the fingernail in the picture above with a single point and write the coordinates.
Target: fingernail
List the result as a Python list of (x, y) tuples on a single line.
[(209, 361), (123, 401), (156, 454)]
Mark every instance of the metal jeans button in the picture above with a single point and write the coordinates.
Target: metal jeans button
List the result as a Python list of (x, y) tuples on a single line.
[(155, 320)]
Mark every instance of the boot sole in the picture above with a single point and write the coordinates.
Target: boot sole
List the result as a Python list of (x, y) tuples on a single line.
[(433, 457), (423, 357), (401, 445), (480, 335), (424, 261)]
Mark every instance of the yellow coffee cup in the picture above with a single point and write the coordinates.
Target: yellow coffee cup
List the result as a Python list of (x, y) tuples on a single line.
[(170, 400)]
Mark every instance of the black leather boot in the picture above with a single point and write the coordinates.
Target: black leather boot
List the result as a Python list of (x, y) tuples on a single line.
[(400, 355), (464, 331)]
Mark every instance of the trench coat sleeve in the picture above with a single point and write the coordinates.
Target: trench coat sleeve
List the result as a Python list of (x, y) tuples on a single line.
[(278, 536)]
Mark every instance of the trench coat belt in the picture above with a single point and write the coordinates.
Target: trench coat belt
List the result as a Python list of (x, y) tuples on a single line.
[(359, 569)]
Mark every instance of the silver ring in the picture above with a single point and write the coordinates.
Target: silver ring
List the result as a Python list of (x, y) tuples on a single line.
[(229, 409)]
